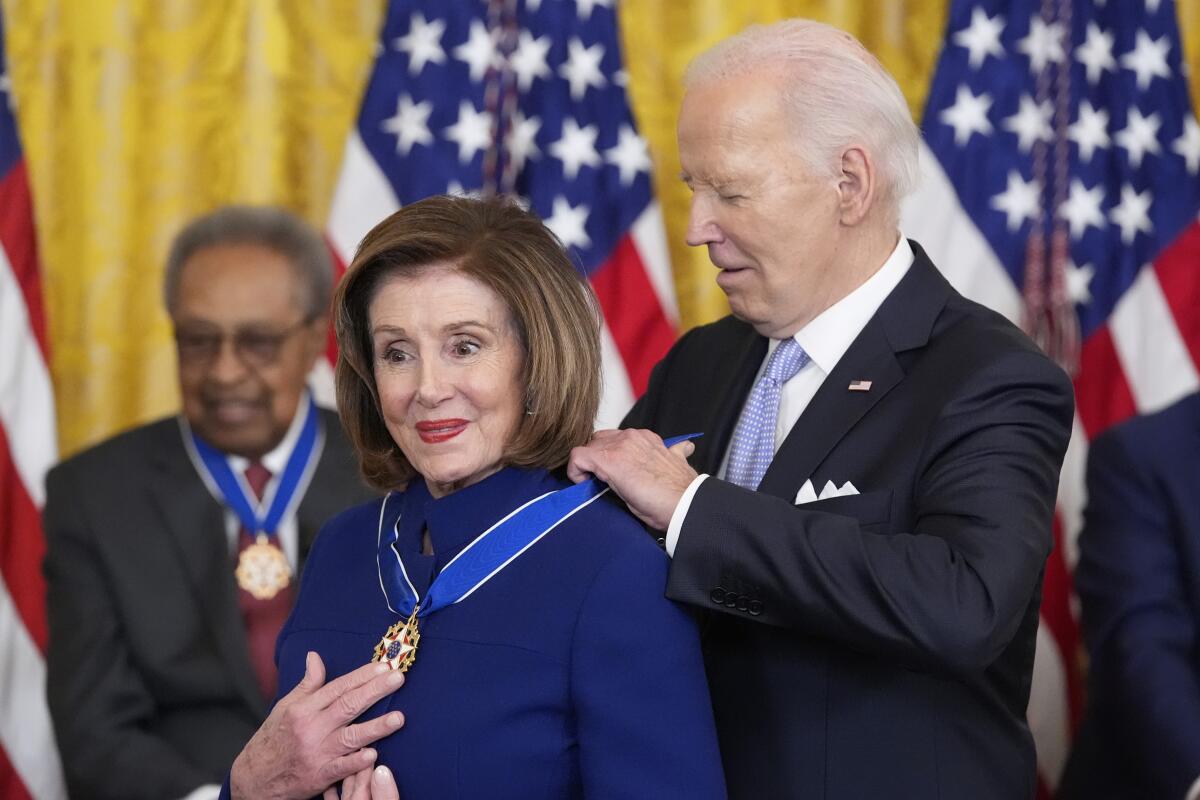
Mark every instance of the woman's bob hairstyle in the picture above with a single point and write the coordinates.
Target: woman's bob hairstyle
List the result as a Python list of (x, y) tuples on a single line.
[(510, 251)]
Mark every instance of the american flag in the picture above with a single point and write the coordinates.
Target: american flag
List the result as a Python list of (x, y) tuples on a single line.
[(1062, 187), (523, 98), (29, 764)]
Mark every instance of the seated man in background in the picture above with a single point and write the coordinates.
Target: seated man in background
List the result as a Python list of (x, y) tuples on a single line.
[(173, 549), (1138, 580)]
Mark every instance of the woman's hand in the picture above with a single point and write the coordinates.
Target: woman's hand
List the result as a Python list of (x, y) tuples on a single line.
[(307, 744), (370, 784)]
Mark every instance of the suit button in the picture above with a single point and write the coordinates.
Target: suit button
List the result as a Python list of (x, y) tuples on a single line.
[(718, 596), (732, 599), (743, 603), (755, 608), (662, 542)]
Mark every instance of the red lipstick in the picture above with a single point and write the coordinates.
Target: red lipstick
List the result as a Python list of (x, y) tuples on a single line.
[(433, 431)]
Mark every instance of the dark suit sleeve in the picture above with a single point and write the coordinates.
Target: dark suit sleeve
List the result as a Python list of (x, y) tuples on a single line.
[(97, 699), (948, 594), (644, 721), (1141, 631)]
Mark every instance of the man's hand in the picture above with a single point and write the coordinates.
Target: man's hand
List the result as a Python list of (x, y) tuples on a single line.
[(307, 744), (649, 477), (370, 784)]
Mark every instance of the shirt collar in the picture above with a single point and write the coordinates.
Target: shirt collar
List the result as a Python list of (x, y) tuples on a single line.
[(829, 335), (276, 460)]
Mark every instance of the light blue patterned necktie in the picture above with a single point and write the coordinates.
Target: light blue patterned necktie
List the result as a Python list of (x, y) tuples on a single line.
[(754, 440)]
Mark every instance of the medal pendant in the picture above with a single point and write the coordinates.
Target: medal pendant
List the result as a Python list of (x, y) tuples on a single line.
[(263, 569), (398, 647)]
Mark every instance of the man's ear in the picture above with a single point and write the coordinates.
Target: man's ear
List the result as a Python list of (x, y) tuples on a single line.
[(857, 185)]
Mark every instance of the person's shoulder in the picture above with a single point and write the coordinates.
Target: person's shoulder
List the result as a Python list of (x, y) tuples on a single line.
[(125, 450), (1165, 435), (983, 341), (606, 531), (363, 519)]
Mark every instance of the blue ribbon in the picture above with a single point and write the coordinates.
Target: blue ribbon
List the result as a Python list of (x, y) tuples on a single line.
[(489, 553), (237, 495)]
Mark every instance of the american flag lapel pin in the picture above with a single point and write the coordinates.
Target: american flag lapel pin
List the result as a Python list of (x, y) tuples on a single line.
[(860, 386)]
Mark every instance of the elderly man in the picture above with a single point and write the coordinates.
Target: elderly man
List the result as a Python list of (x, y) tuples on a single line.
[(173, 548), (866, 523)]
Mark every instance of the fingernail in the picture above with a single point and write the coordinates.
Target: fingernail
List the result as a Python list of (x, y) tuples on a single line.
[(396, 679), (381, 774), (308, 662), (395, 719)]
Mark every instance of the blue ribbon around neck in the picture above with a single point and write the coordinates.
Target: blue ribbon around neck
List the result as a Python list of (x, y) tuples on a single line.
[(238, 495), (488, 553)]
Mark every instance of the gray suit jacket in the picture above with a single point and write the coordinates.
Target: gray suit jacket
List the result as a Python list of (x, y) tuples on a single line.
[(149, 680)]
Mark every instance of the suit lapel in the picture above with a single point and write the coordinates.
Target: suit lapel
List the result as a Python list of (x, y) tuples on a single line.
[(904, 321), (833, 411), (196, 523), (743, 358)]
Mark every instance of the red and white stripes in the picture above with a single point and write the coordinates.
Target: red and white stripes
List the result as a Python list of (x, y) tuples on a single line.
[(29, 763)]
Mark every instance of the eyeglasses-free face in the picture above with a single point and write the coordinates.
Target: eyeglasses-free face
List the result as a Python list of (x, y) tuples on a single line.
[(245, 344)]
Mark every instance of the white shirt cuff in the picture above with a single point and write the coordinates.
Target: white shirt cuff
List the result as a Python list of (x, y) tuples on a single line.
[(680, 512), (1194, 792), (209, 791)]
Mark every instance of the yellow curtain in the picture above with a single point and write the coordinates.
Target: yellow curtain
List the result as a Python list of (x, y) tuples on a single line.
[(138, 114)]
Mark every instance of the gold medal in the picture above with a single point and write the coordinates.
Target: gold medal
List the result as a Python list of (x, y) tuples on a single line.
[(398, 647), (263, 569)]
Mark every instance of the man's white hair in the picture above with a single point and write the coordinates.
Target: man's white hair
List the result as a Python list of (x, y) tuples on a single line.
[(836, 91)]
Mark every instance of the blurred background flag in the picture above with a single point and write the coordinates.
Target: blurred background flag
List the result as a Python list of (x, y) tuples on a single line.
[(525, 99), (29, 765), (1062, 188)]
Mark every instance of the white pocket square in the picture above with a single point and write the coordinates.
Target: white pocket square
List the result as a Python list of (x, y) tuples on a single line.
[(808, 494)]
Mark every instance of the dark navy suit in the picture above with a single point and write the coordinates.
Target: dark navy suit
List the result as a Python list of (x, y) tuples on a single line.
[(1138, 579), (569, 674), (876, 645)]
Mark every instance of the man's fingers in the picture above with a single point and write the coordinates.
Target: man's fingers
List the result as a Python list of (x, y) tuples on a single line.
[(353, 737), (330, 794), (339, 769), (580, 465), (383, 784), (684, 448)]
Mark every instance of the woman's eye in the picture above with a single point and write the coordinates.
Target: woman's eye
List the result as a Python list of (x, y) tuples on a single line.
[(393, 355), (465, 347)]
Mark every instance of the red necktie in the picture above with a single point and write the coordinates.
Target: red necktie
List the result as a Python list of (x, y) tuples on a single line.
[(263, 618)]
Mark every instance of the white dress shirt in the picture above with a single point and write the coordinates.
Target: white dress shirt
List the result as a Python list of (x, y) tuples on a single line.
[(826, 339)]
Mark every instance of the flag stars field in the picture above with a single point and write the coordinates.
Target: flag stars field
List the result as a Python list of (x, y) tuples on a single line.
[(1031, 123), (1148, 59), (423, 43), (1096, 53), (1043, 44), (1139, 136), (968, 115), (1090, 130), (981, 38)]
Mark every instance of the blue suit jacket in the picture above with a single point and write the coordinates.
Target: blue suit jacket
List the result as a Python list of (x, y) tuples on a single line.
[(1138, 579), (568, 674)]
